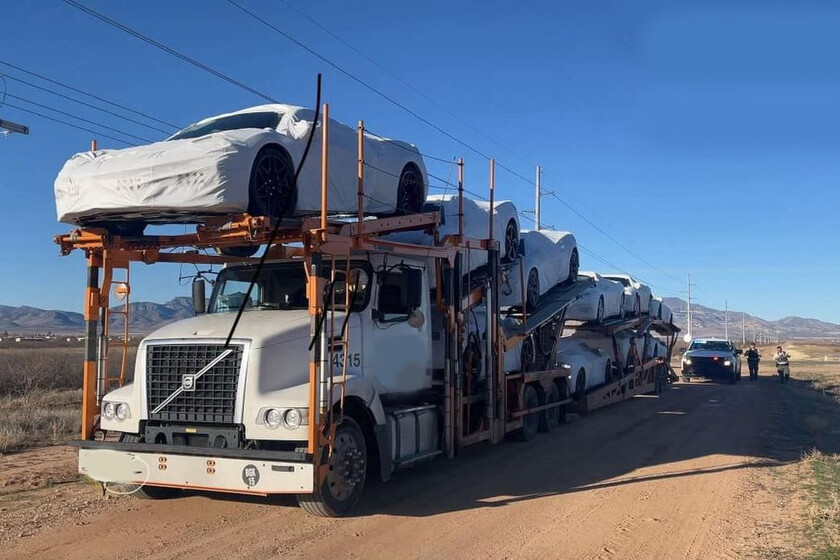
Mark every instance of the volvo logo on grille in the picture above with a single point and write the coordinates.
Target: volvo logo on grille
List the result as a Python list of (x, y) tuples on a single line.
[(188, 382)]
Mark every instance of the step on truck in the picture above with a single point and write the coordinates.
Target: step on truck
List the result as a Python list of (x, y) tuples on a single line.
[(356, 356)]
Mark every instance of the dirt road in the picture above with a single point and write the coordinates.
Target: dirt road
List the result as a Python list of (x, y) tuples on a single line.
[(680, 476)]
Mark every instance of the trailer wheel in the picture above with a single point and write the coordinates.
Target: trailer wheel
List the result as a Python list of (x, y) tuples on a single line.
[(143, 491), (550, 417), (530, 422), (341, 489)]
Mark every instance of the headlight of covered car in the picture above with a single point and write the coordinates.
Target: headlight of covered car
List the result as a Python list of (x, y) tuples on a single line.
[(687, 361)]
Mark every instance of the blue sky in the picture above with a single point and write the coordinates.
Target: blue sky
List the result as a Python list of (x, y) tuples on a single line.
[(703, 136)]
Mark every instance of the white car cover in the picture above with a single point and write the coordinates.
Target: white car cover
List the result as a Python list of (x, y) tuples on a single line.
[(550, 253), (185, 180), (586, 308)]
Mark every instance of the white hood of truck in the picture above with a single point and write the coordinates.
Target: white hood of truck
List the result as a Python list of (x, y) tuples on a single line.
[(263, 328)]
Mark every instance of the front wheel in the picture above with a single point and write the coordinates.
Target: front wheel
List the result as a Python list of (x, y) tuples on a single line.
[(574, 267), (410, 190), (511, 246), (342, 487), (532, 291), (599, 314), (272, 191)]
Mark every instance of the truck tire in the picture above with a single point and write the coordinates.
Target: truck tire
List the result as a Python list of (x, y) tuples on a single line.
[(530, 422), (340, 491), (144, 492), (550, 417)]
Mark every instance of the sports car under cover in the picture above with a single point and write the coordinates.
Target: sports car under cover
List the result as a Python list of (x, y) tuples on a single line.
[(238, 162)]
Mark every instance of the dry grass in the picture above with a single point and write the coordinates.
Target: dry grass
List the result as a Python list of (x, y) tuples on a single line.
[(823, 510), (29, 370), (39, 418)]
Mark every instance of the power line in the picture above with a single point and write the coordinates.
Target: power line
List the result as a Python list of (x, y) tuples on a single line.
[(168, 50), (86, 104), (350, 75), (402, 81), (103, 100), (79, 118), (69, 124)]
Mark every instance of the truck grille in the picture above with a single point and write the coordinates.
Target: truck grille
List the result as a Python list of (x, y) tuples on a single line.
[(213, 399)]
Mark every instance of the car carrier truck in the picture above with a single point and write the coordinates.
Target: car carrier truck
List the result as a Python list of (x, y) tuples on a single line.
[(356, 356)]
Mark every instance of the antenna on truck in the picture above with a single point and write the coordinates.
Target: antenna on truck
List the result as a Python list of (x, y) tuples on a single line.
[(279, 218)]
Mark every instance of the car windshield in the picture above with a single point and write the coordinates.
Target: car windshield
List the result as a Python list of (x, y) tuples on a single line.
[(280, 286), (267, 119), (716, 345)]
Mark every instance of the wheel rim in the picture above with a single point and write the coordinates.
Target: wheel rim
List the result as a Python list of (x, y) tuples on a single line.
[(533, 292), (410, 190), (528, 353), (274, 183), (511, 241), (574, 266), (580, 384), (346, 465)]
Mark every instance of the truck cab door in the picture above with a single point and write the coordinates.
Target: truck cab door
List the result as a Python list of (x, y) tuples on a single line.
[(400, 359)]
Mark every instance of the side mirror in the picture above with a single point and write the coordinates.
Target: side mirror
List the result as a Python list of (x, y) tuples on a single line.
[(199, 296), (739, 351), (682, 350)]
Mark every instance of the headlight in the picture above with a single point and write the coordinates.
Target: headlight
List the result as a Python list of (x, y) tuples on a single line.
[(273, 417), (727, 363), (292, 418), (109, 411), (687, 361), (122, 411)]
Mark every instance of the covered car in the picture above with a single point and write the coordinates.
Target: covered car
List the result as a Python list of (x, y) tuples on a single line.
[(476, 226), (640, 293), (603, 300), (588, 362), (237, 162), (550, 258)]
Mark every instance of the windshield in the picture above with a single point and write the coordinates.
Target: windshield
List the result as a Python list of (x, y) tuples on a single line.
[(717, 345), (280, 286), (268, 119)]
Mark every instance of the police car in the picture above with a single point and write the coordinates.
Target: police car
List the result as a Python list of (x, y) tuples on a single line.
[(711, 357)]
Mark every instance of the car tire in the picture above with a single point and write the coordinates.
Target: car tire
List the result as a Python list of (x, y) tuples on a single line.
[(123, 229), (549, 418), (341, 489), (532, 290), (511, 242), (622, 310), (528, 354), (410, 190), (242, 251), (574, 267), (530, 422), (272, 191), (599, 313)]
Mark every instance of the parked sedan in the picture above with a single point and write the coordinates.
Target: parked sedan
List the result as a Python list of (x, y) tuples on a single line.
[(589, 365), (605, 299), (237, 162), (550, 258), (640, 293)]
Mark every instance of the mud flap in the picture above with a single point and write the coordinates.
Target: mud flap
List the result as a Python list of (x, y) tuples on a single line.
[(383, 443)]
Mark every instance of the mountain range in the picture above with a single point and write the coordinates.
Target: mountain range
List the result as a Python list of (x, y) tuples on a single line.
[(147, 316), (707, 321)]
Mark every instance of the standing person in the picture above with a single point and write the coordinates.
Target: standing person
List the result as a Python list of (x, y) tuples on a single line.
[(753, 357), (782, 364)]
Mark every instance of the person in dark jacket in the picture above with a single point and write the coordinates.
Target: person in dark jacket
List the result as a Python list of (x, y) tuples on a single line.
[(753, 357)]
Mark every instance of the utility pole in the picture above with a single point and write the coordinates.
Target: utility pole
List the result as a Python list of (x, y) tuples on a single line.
[(743, 329), (537, 197), (726, 319), (688, 307)]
